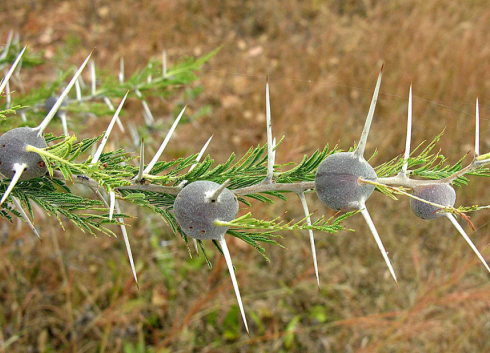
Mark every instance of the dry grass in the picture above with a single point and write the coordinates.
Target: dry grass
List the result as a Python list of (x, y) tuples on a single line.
[(322, 58)]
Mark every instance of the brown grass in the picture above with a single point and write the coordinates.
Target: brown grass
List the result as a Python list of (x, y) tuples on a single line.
[(322, 58)]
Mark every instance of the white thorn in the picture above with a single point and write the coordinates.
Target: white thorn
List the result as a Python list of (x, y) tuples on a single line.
[(7, 45), (135, 136), (11, 71), (24, 216), (477, 129), (226, 253), (310, 231), (142, 161), (16, 38), (93, 77), (22, 115), (61, 98), (108, 102), (196, 246), (164, 63), (64, 123), (367, 126), (18, 170), (270, 147), (82, 82), (467, 238), (126, 242), (121, 70), (164, 143), (198, 158), (7, 93), (371, 226), (149, 120), (78, 90), (213, 196), (112, 203), (201, 152), (109, 129), (149, 78), (409, 133)]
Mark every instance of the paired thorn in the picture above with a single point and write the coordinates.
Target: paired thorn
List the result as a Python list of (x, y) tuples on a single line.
[(18, 170), (62, 97), (109, 130), (371, 226), (215, 195), (11, 71), (477, 129), (301, 196), (409, 134), (25, 217), (226, 253), (359, 152), (460, 229), (164, 144)]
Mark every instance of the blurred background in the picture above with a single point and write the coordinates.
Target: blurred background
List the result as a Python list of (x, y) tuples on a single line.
[(75, 293)]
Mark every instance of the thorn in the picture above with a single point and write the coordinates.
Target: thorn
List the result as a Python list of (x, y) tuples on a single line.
[(371, 226), (149, 120), (215, 195), (270, 147), (164, 143), (367, 126), (25, 217), (121, 70), (11, 71), (226, 253), (93, 77), (7, 93), (18, 170), (64, 123), (62, 97), (467, 238), (477, 129), (196, 246), (142, 160), (128, 246), (7, 45), (135, 136), (22, 115), (199, 156), (409, 133), (109, 130), (112, 203), (78, 90), (301, 196)]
